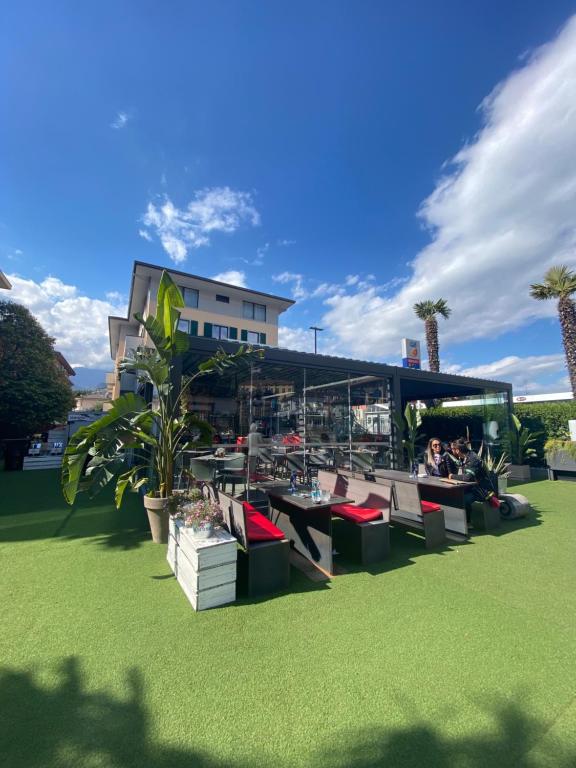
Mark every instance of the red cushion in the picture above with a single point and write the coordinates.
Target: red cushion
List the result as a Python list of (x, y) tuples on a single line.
[(356, 514), (258, 527), (429, 506)]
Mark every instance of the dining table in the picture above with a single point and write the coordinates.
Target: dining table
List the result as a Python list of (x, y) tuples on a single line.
[(218, 460), (306, 523), (449, 493)]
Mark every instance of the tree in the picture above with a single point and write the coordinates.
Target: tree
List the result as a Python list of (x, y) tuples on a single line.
[(427, 311), (560, 283), (34, 392)]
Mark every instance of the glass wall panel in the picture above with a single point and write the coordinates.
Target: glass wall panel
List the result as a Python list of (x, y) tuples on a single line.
[(305, 417)]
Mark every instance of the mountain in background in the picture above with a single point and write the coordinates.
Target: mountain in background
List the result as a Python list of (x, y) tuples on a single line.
[(89, 378)]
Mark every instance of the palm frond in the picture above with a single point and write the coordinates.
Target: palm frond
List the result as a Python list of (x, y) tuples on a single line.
[(559, 281)]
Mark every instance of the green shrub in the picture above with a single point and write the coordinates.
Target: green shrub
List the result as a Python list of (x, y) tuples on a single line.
[(550, 419)]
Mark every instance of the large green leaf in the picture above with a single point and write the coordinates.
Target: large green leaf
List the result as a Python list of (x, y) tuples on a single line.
[(83, 440)]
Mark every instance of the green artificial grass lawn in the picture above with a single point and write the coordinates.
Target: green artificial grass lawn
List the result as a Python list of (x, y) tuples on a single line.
[(464, 657)]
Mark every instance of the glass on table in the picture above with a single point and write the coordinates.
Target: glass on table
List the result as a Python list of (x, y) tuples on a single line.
[(325, 496)]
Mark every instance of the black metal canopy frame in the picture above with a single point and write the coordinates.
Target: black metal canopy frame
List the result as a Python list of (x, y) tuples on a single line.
[(316, 375)]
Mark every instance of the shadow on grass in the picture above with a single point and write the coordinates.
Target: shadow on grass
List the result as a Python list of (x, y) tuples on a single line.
[(67, 726), (508, 745)]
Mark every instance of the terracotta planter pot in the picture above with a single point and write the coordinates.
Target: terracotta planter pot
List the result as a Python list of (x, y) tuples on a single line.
[(158, 517)]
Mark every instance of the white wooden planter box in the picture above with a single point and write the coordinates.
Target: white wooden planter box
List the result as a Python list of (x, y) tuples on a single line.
[(219, 549), (204, 568)]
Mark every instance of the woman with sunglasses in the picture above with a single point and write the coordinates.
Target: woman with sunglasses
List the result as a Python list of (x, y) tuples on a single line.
[(436, 465)]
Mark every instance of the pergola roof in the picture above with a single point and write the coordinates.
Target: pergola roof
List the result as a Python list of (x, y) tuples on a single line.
[(413, 384)]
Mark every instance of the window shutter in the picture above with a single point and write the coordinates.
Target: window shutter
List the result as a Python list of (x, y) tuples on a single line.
[(232, 333), (262, 338), (208, 330), (243, 335), (193, 327)]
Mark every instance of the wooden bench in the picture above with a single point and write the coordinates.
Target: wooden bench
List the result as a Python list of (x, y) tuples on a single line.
[(411, 512), (370, 513), (264, 561)]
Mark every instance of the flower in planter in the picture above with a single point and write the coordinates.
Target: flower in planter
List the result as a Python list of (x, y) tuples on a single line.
[(184, 500), (202, 512)]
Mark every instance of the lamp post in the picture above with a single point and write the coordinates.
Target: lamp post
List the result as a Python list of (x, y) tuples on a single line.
[(315, 329)]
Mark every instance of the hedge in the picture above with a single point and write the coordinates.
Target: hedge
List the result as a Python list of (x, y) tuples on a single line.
[(551, 419)]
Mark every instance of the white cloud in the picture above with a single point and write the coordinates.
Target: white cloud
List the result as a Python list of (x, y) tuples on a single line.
[(302, 340), (145, 235), (299, 292), (233, 277), (219, 209), (78, 323), (120, 121), (285, 243), (502, 215), (533, 373)]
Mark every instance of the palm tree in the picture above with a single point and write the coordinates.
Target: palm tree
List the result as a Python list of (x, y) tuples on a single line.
[(427, 311), (560, 283)]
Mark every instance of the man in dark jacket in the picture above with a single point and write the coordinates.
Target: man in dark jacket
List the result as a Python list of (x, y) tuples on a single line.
[(472, 469)]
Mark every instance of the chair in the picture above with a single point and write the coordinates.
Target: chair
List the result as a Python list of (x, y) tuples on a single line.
[(265, 460), (232, 472), (368, 516), (362, 462), (295, 464), (204, 472), (264, 561), (412, 512), (278, 465)]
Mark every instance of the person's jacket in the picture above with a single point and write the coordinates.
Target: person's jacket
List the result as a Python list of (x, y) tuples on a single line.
[(473, 469), (437, 469), (452, 463)]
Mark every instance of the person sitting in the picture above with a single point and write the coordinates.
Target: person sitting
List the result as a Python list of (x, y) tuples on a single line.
[(453, 463), (472, 469), (435, 459)]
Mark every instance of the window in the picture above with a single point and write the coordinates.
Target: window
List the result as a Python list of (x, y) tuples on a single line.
[(253, 311), (223, 299), (253, 337), (188, 326), (219, 331), (190, 296)]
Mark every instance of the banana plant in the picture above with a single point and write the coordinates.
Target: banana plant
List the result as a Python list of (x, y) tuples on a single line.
[(105, 450), (408, 427)]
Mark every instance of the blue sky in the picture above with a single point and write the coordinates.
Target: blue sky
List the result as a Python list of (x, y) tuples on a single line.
[(356, 156)]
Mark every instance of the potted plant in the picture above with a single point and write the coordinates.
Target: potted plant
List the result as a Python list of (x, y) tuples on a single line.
[(498, 470), (408, 428), (202, 516), (521, 440), (560, 456), (134, 443)]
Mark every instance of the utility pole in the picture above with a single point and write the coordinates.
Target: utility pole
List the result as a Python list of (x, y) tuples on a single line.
[(315, 329)]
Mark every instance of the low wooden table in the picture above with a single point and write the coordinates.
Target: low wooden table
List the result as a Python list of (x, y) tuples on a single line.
[(305, 523)]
